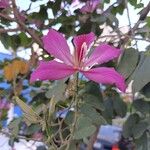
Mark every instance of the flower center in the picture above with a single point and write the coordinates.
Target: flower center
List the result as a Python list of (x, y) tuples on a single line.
[(80, 57)]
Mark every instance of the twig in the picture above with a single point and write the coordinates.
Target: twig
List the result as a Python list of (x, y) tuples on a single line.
[(31, 32), (9, 30), (142, 17), (6, 17), (141, 39)]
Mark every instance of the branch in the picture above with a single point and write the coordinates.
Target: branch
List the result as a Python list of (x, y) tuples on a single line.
[(6, 17), (143, 14), (142, 17), (29, 31), (9, 30)]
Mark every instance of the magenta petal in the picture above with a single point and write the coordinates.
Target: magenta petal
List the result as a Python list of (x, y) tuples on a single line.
[(102, 54), (107, 76), (82, 43), (51, 70), (90, 6), (84, 38), (56, 45), (4, 3)]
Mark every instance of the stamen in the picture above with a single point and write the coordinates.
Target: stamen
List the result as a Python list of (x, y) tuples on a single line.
[(82, 53)]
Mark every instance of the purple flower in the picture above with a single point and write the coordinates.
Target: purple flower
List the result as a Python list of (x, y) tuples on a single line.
[(90, 6), (22, 16), (4, 3), (56, 45)]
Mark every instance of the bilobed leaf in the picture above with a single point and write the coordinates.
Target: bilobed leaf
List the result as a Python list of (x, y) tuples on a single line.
[(129, 125), (133, 2), (92, 88), (57, 91), (108, 112), (91, 113), (141, 75), (139, 129), (93, 101), (84, 128), (84, 132), (120, 106), (69, 118), (128, 62), (142, 106), (143, 142), (145, 91)]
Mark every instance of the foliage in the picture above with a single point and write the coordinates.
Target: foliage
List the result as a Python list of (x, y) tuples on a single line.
[(68, 112)]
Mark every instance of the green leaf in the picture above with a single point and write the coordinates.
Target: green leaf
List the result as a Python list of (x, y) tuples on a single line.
[(43, 13), (140, 5), (14, 126), (69, 118), (24, 39), (145, 91), (84, 128), (141, 75), (128, 62), (120, 106), (32, 129), (4, 40), (142, 106), (139, 129), (93, 101), (133, 2), (84, 132), (148, 21), (90, 112), (57, 90), (143, 142), (92, 88), (55, 6), (129, 125), (108, 112)]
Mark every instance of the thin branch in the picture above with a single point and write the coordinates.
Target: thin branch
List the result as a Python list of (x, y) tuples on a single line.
[(30, 31), (128, 14), (6, 17), (141, 39), (9, 30), (144, 12), (142, 17)]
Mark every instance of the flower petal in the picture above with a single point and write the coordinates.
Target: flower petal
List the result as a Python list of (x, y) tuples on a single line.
[(56, 45), (90, 6), (51, 70), (107, 76), (82, 43), (4, 3), (102, 54)]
